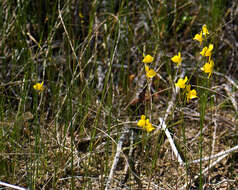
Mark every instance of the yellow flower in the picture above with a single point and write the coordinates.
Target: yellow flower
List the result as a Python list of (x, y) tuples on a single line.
[(198, 37), (208, 67), (204, 30), (145, 124), (177, 59), (39, 86), (150, 73), (203, 52), (148, 126), (81, 15), (190, 93), (181, 82), (141, 122), (207, 51), (148, 59)]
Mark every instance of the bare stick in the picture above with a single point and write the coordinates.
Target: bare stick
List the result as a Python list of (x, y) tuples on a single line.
[(130, 150), (116, 158), (216, 155), (11, 186), (205, 170), (171, 142)]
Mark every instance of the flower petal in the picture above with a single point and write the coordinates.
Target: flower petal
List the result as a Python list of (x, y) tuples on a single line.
[(148, 59)]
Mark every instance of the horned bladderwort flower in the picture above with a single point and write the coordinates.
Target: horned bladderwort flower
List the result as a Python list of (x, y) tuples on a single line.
[(148, 59), (145, 124), (181, 82), (207, 51), (208, 67), (177, 59), (141, 122), (39, 87), (190, 93), (199, 37), (148, 126), (150, 73), (204, 30)]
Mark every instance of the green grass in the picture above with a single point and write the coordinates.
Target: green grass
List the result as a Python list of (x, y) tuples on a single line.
[(95, 88)]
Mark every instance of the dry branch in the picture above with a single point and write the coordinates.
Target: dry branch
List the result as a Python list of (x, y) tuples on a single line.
[(205, 170), (116, 158), (216, 155), (11, 186)]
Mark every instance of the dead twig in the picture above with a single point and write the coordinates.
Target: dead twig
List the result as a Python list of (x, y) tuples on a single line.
[(216, 155), (116, 158), (205, 170), (11, 186), (171, 142)]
